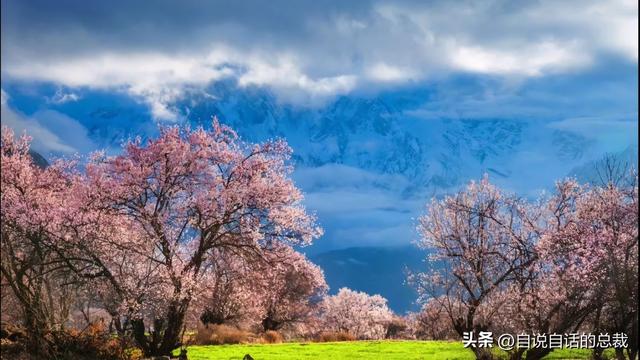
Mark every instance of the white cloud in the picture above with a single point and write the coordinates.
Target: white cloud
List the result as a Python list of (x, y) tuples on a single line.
[(61, 97), (285, 74), (4, 97), (609, 26), (160, 79), (528, 61), (43, 139), (382, 72), (157, 78)]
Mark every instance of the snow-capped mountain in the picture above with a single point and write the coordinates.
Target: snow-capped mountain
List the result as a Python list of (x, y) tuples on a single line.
[(383, 135), (366, 163), (369, 163)]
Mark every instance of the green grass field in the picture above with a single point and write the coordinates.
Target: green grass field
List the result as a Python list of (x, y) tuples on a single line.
[(392, 350)]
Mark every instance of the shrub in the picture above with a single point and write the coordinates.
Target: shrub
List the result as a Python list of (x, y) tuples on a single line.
[(332, 336), (397, 328), (92, 343), (220, 334), (11, 340), (11, 349), (272, 337)]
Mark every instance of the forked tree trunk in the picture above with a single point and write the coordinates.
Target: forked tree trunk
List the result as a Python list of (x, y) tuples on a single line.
[(166, 334)]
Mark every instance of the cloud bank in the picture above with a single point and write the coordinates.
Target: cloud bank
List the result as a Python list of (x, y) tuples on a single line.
[(305, 51)]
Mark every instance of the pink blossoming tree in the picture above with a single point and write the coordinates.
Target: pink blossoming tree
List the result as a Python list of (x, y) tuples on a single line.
[(357, 313), (480, 243), (150, 225), (189, 196), (291, 288), (566, 262)]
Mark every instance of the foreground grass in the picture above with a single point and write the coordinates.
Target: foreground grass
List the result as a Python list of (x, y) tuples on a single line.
[(392, 350)]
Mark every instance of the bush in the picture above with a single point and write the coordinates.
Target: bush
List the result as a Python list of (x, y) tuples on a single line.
[(10, 349), (11, 340), (272, 337), (220, 334), (92, 343), (397, 328), (330, 336)]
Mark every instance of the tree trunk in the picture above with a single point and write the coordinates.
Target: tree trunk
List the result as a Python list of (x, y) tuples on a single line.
[(37, 342), (632, 350), (174, 324), (140, 337), (165, 336)]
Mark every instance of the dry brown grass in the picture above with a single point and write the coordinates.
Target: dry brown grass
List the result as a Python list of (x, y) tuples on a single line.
[(272, 337), (335, 336), (221, 334)]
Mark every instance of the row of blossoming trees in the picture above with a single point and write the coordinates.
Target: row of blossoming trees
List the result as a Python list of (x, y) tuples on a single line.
[(198, 226), (193, 224), (565, 263)]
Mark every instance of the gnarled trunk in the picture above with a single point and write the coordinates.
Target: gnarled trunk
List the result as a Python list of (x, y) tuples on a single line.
[(37, 330), (166, 334)]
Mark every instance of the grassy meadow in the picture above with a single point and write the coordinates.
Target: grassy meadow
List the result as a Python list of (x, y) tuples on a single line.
[(351, 350)]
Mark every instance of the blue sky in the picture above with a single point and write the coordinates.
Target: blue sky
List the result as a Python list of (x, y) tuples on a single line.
[(571, 65)]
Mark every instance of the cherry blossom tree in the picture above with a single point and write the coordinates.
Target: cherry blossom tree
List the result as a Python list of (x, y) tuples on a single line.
[(563, 263), (231, 293), (597, 248), (479, 244), (148, 225), (546, 300), (183, 196), (292, 287), (360, 314), (33, 201)]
